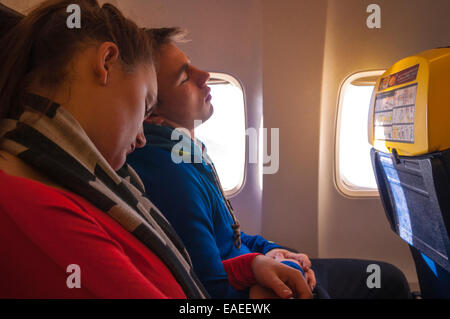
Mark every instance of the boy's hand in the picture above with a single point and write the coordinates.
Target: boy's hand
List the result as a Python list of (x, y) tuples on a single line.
[(284, 281)]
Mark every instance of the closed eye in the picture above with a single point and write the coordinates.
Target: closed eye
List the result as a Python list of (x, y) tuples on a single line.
[(185, 80), (183, 71), (148, 109)]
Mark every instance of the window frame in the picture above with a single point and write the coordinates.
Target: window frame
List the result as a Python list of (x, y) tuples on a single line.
[(235, 81), (343, 186)]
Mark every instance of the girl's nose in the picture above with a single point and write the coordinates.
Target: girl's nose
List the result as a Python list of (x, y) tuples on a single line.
[(140, 138)]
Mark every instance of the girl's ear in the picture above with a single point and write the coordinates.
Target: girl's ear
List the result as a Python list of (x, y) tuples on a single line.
[(107, 56)]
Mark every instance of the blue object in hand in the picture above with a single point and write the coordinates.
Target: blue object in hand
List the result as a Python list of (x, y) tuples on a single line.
[(293, 265)]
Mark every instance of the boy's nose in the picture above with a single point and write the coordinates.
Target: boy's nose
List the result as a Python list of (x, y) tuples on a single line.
[(203, 77)]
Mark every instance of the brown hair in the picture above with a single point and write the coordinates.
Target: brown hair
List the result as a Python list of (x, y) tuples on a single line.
[(41, 46), (161, 36)]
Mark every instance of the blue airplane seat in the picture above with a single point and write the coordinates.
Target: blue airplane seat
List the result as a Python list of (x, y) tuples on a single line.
[(434, 280)]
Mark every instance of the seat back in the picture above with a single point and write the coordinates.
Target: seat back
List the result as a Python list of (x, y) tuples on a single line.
[(415, 195), (411, 161)]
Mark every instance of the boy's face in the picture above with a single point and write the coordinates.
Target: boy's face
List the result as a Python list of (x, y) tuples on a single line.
[(182, 92)]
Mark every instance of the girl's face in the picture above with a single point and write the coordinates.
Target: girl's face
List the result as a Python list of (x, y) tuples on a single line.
[(119, 130), (111, 103)]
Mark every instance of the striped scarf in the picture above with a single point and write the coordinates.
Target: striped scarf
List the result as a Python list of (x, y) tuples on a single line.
[(48, 138)]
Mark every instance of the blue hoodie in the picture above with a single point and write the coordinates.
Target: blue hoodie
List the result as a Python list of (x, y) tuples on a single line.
[(187, 194)]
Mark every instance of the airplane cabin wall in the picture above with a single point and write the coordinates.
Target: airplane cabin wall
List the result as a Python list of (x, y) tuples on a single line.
[(294, 33)]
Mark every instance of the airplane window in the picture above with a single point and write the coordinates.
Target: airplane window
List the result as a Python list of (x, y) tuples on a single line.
[(224, 133), (354, 173)]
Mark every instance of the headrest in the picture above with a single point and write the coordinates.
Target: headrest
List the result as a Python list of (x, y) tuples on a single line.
[(409, 109), (8, 19)]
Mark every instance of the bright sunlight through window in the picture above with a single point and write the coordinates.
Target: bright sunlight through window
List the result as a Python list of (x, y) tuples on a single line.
[(224, 133), (355, 176)]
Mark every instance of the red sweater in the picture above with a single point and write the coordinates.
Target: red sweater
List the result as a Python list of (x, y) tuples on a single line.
[(43, 230)]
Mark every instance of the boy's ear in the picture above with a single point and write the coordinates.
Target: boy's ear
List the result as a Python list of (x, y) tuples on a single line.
[(154, 118)]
